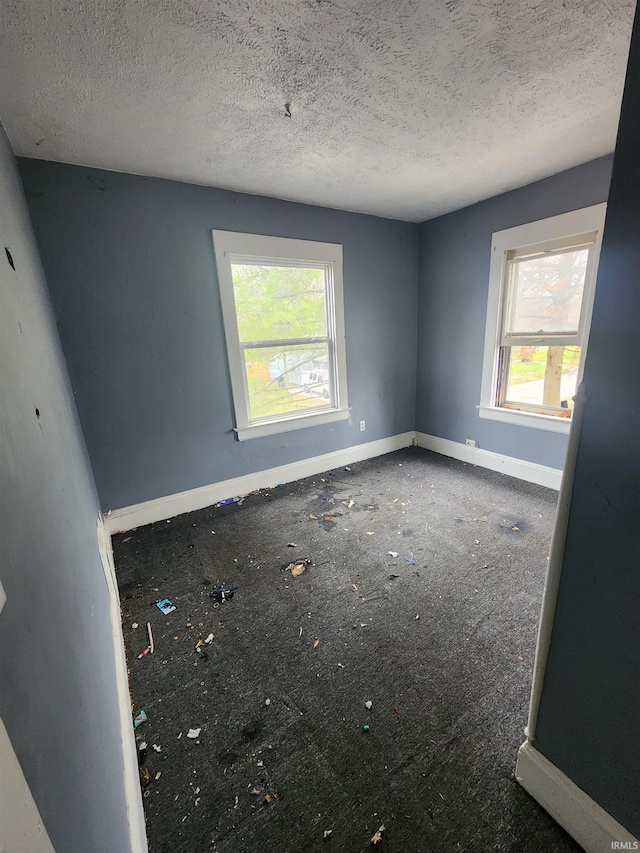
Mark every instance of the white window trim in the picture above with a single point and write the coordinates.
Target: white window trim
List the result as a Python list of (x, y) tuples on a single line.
[(544, 230), (232, 244)]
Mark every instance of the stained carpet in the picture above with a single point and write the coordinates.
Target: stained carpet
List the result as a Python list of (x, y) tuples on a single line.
[(421, 597)]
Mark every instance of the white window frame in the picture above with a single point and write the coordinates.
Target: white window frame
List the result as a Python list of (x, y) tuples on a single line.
[(562, 227), (233, 246)]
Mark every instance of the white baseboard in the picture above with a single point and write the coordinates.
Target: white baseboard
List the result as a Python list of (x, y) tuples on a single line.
[(523, 470), (159, 509), (135, 812), (592, 827), (167, 507)]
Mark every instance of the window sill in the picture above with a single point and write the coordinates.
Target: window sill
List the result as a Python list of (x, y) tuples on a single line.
[(287, 424), (528, 419)]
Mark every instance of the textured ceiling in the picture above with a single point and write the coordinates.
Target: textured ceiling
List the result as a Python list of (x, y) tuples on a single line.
[(402, 108)]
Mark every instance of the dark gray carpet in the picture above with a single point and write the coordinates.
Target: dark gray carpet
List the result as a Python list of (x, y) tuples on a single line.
[(449, 689)]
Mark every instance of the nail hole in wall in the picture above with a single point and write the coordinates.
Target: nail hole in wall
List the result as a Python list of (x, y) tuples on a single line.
[(10, 258), (37, 413)]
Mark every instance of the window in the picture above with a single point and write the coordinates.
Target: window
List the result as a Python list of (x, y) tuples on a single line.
[(284, 326), (541, 286)]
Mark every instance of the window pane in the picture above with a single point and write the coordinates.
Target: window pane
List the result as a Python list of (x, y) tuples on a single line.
[(287, 380), (547, 293), (279, 302), (543, 377)]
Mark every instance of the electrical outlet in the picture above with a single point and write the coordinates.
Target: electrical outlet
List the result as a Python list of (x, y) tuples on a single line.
[(471, 442), (362, 426)]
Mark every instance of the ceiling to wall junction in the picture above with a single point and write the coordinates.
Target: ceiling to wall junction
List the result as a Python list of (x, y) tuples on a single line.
[(401, 108)]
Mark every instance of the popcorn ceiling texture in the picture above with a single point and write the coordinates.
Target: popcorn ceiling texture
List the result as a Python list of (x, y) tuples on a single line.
[(400, 108)]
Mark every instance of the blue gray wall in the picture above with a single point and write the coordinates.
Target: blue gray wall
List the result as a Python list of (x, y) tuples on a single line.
[(57, 673), (453, 286), (590, 703), (131, 272)]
